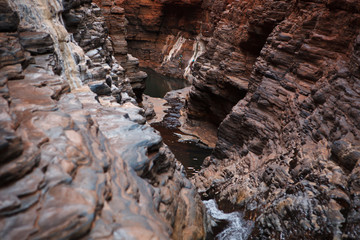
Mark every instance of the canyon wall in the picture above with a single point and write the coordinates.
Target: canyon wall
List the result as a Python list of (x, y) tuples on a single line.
[(288, 153), (164, 35), (80, 164), (281, 80)]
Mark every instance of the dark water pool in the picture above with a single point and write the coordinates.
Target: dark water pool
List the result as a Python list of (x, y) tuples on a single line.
[(158, 85), (190, 153)]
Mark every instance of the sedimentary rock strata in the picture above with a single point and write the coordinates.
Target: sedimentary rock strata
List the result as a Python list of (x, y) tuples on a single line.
[(288, 153), (281, 79), (162, 34), (75, 161)]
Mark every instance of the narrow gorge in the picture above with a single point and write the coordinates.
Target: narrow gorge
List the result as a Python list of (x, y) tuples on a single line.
[(267, 91)]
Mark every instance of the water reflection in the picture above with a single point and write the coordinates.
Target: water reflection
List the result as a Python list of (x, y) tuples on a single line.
[(158, 85), (190, 154)]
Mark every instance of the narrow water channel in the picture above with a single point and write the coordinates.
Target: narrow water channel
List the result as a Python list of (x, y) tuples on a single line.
[(227, 226), (191, 153)]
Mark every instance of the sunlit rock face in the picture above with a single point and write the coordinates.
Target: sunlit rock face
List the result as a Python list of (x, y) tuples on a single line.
[(163, 34), (80, 164)]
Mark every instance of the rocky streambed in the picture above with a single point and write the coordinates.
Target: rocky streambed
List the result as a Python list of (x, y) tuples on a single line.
[(190, 150)]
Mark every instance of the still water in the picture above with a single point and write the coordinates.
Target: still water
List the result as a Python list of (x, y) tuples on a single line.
[(158, 85), (190, 153)]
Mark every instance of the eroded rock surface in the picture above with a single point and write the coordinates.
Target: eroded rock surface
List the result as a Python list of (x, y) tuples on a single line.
[(281, 80), (162, 34), (80, 165), (288, 153), (116, 22), (235, 33)]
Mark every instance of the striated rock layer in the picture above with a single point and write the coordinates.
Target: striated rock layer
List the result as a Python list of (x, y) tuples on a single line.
[(217, 41), (82, 164), (281, 80), (288, 153), (163, 34), (235, 34)]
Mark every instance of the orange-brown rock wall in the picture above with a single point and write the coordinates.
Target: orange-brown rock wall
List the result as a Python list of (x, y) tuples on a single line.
[(280, 78), (154, 28), (288, 153), (77, 159)]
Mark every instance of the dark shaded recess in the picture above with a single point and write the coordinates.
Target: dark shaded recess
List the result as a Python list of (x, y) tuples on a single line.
[(71, 21), (344, 155), (11, 146), (220, 107), (256, 40), (70, 4), (157, 85), (37, 43), (348, 6), (138, 93), (220, 226), (181, 17), (9, 20)]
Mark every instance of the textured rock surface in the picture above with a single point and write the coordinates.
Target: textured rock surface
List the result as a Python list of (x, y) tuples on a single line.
[(116, 21), (288, 153), (162, 34), (235, 33), (218, 41), (281, 78), (76, 165)]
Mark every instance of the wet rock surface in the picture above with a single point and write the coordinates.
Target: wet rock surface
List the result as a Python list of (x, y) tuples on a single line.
[(75, 164)]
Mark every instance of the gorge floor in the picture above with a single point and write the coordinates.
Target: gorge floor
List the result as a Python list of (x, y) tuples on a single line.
[(187, 149), (191, 152)]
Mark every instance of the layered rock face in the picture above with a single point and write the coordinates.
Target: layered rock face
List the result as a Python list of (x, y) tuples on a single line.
[(80, 165), (281, 78), (116, 21), (288, 153), (235, 34), (162, 34), (218, 41)]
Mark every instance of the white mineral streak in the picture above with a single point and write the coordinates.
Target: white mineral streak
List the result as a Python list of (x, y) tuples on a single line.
[(175, 48), (45, 16), (198, 50)]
